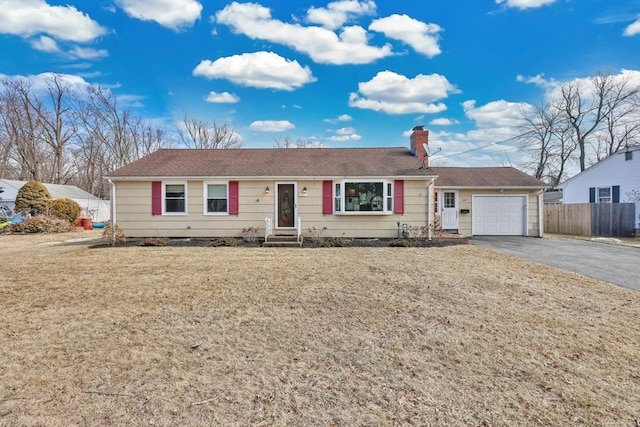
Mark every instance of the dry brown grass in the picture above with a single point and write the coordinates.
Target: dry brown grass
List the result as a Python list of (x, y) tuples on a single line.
[(458, 336)]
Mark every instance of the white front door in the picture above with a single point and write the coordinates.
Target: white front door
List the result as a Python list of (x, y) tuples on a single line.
[(449, 204)]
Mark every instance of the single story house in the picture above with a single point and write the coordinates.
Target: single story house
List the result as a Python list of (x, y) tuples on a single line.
[(615, 179), (92, 206), (346, 192)]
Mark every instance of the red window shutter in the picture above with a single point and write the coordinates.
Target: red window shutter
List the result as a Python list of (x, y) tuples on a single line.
[(398, 196), (327, 197), (234, 207), (156, 198)]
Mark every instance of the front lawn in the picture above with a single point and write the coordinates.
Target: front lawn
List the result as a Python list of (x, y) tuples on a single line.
[(190, 336)]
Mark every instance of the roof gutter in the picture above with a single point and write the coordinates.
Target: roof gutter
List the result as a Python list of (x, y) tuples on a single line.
[(268, 178)]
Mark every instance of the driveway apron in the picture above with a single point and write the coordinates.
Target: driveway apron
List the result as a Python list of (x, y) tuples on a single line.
[(610, 263)]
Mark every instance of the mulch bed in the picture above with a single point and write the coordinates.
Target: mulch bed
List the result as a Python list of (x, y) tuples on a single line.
[(326, 242)]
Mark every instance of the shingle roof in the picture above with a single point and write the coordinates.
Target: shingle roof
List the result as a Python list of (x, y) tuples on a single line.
[(312, 163), (484, 177)]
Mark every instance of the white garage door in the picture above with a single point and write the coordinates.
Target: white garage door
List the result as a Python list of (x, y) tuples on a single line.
[(499, 215)]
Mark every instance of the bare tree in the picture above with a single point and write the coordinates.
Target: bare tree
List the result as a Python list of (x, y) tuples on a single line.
[(196, 133), (288, 142), (621, 126), (22, 130), (589, 121), (109, 138), (605, 107), (548, 142), (57, 125)]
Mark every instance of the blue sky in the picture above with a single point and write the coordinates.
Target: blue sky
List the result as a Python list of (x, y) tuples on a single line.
[(343, 74)]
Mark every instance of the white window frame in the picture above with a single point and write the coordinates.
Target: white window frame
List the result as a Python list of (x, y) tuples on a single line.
[(599, 198), (206, 198), (340, 196), (164, 197)]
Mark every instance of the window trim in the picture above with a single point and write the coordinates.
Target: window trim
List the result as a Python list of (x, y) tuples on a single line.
[(164, 198), (340, 185), (205, 193), (599, 198)]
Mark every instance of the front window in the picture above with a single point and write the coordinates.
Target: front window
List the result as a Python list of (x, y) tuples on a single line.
[(363, 196), (175, 197), (604, 195), (216, 198)]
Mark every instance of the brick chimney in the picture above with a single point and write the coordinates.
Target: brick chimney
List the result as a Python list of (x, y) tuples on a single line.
[(418, 137)]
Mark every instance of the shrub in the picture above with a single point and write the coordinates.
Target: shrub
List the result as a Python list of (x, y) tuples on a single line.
[(67, 209), (42, 224), (402, 243), (32, 197), (224, 241), (154, 241), (249, 234), (317, 234), (114, 235)]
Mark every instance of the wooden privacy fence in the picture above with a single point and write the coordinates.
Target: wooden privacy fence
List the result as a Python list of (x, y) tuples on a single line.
[(591, 219)]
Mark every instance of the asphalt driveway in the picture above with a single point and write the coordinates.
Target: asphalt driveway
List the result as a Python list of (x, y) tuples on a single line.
[(611, 263)]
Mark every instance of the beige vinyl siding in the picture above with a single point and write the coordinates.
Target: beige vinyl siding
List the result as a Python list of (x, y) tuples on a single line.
[(133, 212), (362, 225)]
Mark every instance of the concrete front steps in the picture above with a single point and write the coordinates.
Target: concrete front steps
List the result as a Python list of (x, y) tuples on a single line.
[(283, 241)]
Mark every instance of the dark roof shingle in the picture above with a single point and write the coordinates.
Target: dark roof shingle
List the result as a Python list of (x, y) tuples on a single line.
[(313, 163)]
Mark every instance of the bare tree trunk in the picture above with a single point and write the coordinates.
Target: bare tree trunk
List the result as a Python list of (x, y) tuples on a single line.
[(57, 125), (201, 134)]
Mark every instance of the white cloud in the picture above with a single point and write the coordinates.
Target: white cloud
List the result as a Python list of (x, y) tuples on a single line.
[(45, 44), (340, 118), (173, 14), (443, 121), (88, 53), (222, 98), (496, 114), (26, 18), (337, 13), (344, 138), (584, 84), (322, 45), (538, 80), (40, 82), (272, 125), (396, 94), (422, 37), (344, 134), (264, 70), (345, 131), (525, 4), (632, 29)]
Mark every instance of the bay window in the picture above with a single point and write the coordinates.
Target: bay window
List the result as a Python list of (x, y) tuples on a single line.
[(370, 197)]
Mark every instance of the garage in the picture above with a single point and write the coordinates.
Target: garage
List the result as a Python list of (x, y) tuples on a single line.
[(499, 215)]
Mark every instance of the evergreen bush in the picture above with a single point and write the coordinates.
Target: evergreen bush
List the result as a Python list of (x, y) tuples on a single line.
[(66, 209), (32, 198)]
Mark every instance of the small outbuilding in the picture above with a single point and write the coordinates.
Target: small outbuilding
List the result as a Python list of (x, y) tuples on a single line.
[(92, 206)]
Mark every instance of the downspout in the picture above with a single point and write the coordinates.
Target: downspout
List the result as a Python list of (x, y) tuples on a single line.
[(541, 214), (430, 207), (113, 210)]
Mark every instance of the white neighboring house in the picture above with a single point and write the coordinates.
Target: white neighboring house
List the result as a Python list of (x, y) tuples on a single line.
[(615, 179), (92, 206)]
